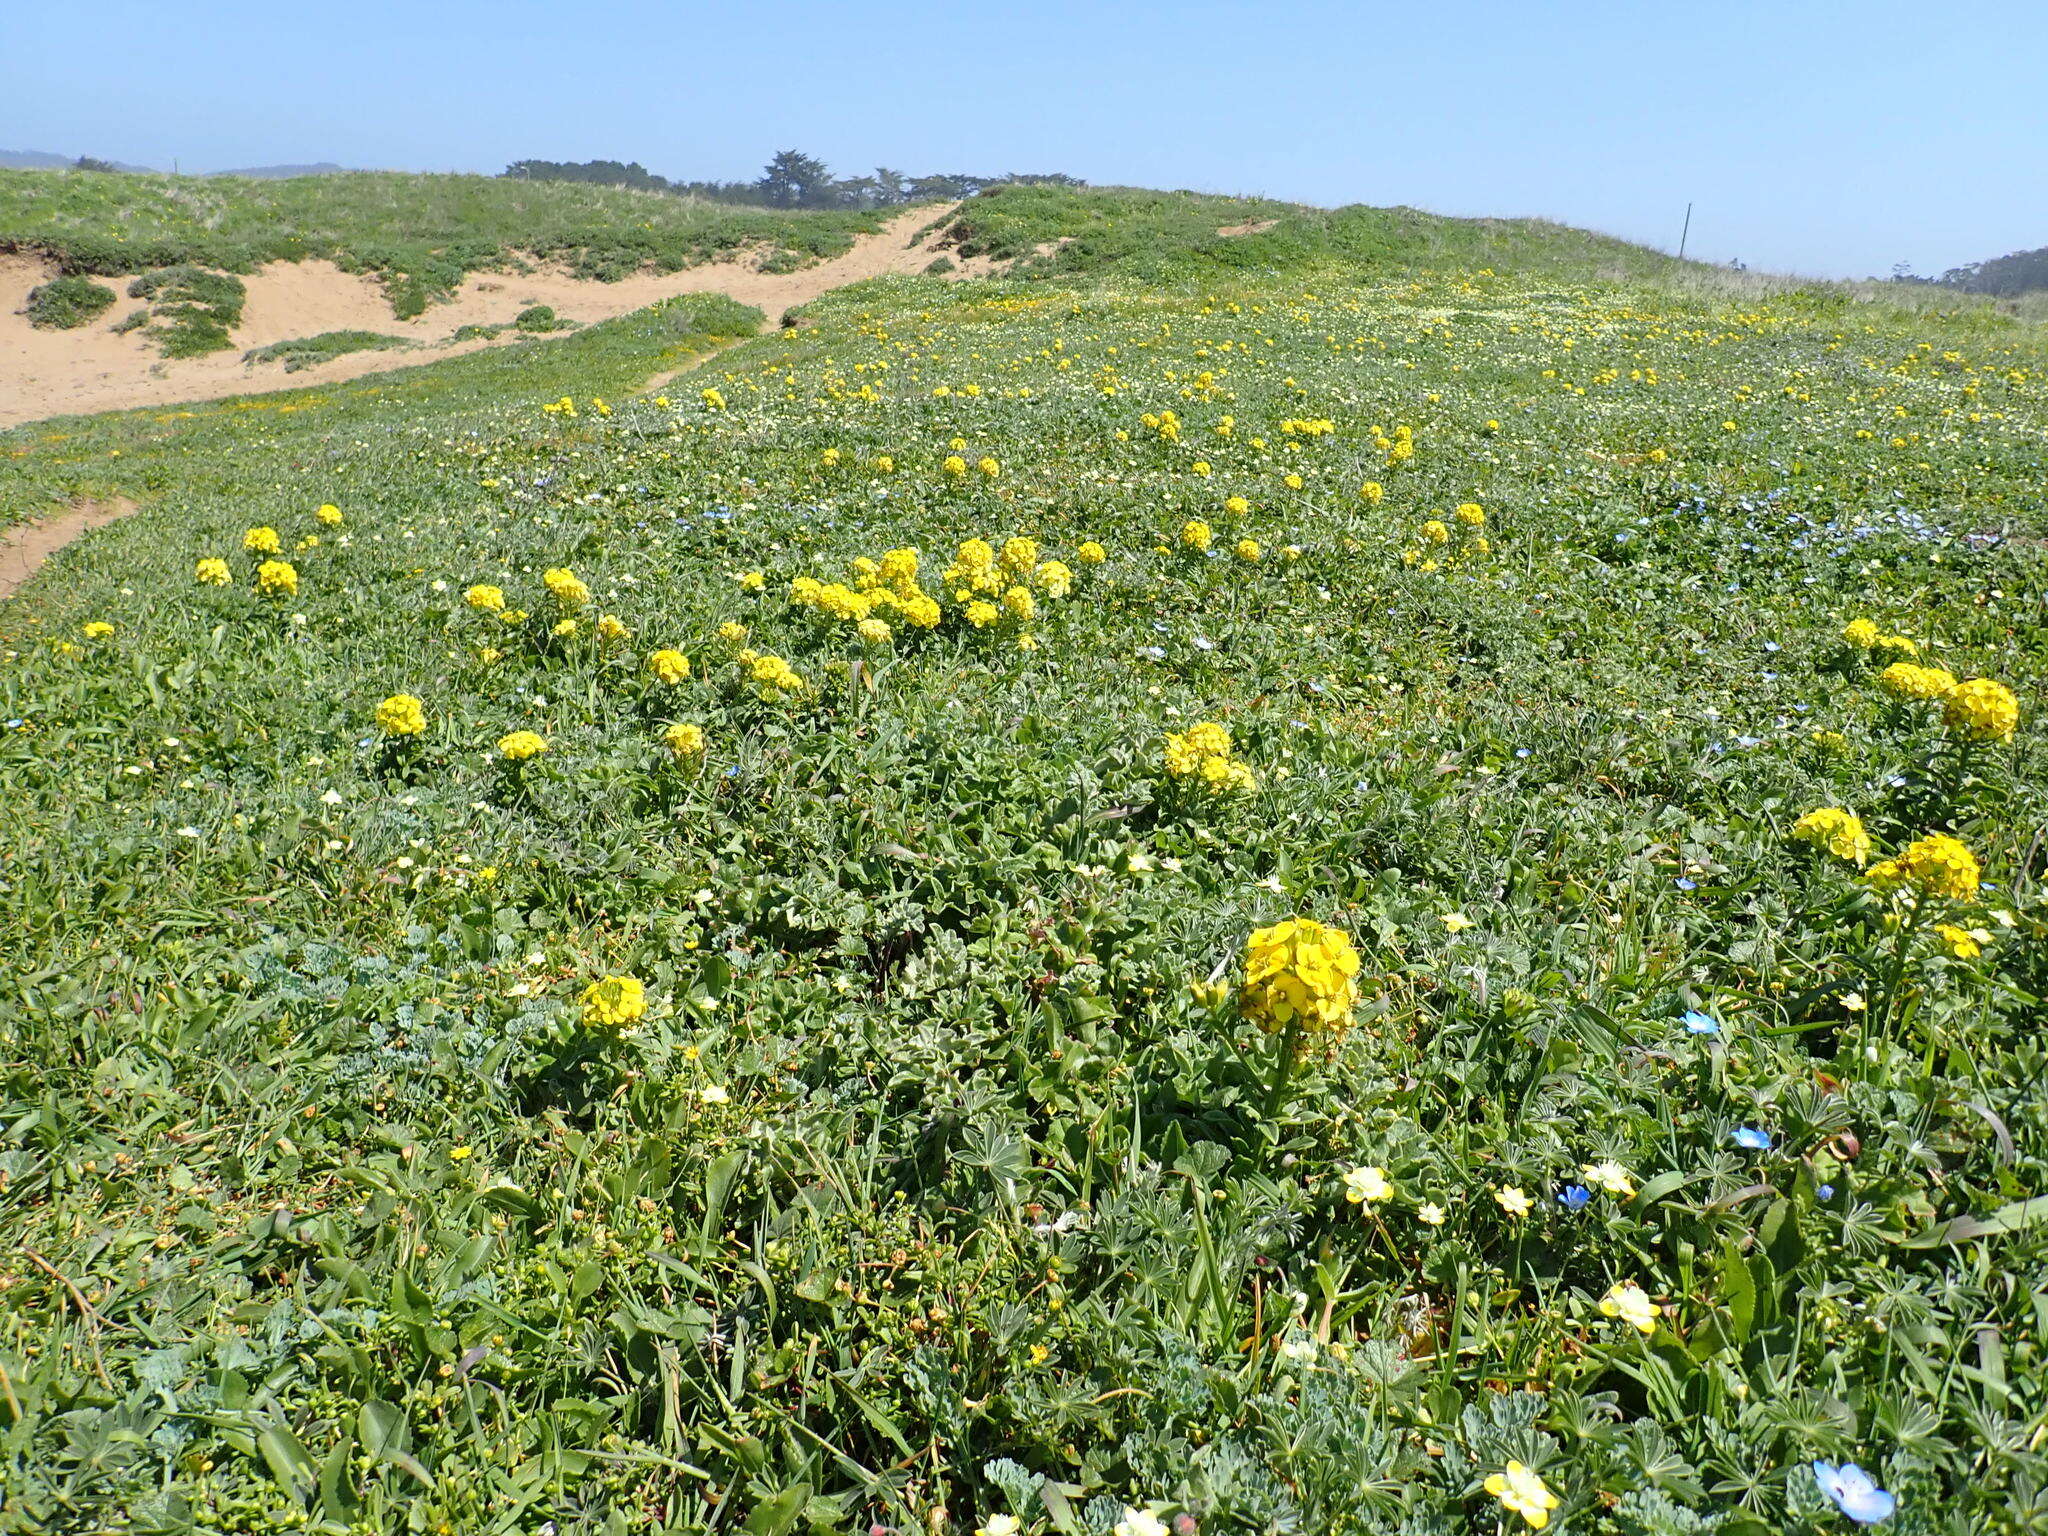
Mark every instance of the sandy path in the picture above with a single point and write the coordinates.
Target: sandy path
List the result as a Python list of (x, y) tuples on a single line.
[(52, 373), (24, 549)]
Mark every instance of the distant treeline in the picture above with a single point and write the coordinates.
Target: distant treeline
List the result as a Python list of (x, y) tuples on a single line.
[(2001, 277), (791, 180)]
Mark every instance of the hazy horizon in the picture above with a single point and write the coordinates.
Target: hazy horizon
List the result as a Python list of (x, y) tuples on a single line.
[(1781, 124)]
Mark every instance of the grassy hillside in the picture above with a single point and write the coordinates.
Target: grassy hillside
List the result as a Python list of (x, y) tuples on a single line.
[(421, 233), (874, 1110)]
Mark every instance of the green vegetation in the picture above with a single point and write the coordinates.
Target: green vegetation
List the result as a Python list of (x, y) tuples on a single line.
[(539, 319), (311, 351), (191, 310), (66, 303), (947, 1161), (420, 234)]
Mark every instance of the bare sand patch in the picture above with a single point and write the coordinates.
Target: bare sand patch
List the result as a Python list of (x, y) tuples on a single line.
[(24, 549), (1248, 227), (92, 368)]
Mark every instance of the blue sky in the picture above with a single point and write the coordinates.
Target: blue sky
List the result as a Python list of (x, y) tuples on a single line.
[(1817, 136)]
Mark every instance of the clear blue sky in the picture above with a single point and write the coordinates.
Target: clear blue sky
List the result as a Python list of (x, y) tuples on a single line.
[(1825, 136)]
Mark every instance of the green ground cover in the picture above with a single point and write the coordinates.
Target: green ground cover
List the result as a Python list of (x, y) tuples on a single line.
[(826, 1086)]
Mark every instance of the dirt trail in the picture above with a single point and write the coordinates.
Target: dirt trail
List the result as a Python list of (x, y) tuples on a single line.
[(24, 549), (51, 373)]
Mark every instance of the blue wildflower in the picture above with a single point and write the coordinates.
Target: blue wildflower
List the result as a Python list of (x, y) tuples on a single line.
[(1697, 1023), (1574, 1197), (1749, 1136), (1686, 885), (1854, 1493), (1825, 1192)]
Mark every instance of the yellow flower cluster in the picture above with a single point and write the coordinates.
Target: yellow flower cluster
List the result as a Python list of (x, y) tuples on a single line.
[(401, 715), (1936, 865), (1864, 635), (1908, 680), (1201, 757), (1320, 426), (1399, 448), (1196, 535), (1982, 710), (1438, 542), (521, 745), (614, 1002), (565, 587), (329, 514), (773, 678), (277, 578), (1300, 975), (1838, 831), (213, 572), (485, 599), (1165, 423), (261, 541), (685, 740), (670, 667)]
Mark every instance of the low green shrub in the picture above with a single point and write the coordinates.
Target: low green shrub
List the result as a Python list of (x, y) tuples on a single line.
[(193, 309), (66, 303), (311, 351)]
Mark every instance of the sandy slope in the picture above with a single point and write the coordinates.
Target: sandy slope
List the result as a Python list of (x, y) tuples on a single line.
[(53, 373)]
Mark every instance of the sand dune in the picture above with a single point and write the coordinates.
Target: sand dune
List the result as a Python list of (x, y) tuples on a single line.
[(54, 373)]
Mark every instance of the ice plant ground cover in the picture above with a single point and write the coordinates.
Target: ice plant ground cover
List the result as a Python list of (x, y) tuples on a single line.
[(442, 1094)]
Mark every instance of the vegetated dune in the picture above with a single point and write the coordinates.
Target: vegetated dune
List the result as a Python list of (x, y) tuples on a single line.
[(94, 368)]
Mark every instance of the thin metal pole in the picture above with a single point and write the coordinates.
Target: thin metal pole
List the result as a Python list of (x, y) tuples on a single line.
[(1685, 232)]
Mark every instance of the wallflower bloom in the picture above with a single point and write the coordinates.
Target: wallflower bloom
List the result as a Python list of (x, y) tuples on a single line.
[(1838, 831), (277, 578), (1523, 1493), (1960, 942), (874, 631), (614, 1002), (1513, 1201), (1982, 710), (261, 541), (988, 467), (1236, 506), (1628, 1301), (670, 667), (684, 740), (329, 514), (1248, 551), (98, 629), (1195, 534), (1373, 493), (1435, 532), (521, 745), (611, 627), (567, 590), (213, 572), (485, 599), (1906, 680), (401, 715), (732, 632), (981, 614), (1364, 1186), (955, 466), (1861, 633), (1300, 975), (1936, 865), (1055, 578), (1091, 553), (1472, 515)]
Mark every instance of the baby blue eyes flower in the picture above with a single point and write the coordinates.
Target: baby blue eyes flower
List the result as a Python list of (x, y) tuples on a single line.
[(1825, 1192), (1749, 1136), (1853, 1492), (1697, 1023), (1574, 1197)]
